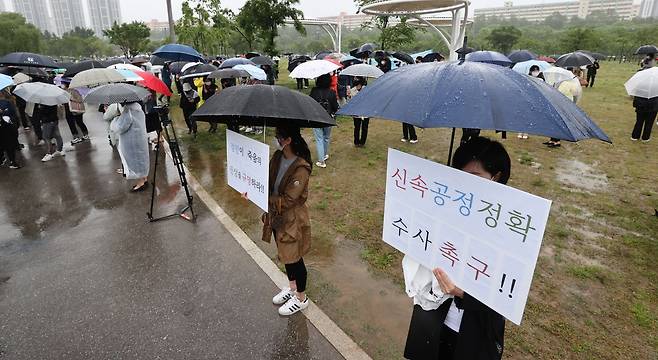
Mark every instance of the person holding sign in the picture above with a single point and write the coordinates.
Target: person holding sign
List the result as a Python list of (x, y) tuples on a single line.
[(288, 220), (462, 327)]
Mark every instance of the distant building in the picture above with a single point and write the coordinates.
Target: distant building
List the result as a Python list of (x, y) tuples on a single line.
[(352, 22), (2, 6), (581, 8), (67, 14), (35, 13), (158, 26), (104, 13), (649, 9)]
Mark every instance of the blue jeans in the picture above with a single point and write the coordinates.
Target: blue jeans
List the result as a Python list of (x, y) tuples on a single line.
[(322, 138)]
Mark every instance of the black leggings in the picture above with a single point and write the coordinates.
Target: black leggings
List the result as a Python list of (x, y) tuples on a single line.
[(76, 119), (297, 272), (447, 343)]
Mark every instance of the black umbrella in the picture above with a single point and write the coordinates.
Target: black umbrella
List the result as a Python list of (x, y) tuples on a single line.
[(81, 66), (380, 54), (350, 62), (642, 50), (198, 71), (29, 71), (465, 50), (263, 105), (596, 56), (25, 59), (228, 74), (176, 67), (158, 61), (435, 56), (251, 54), (367, 47), (139, 60), (521, 56), (229, 63), (354, 52), (323, 54), (295, 62), (114, 61), (403, 57), (574, 59), (262, 60)]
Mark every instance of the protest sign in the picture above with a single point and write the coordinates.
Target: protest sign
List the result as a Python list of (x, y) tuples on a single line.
[(485, 235), (248, 167)]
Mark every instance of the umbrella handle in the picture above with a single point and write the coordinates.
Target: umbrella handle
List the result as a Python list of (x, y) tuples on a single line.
[(452, 143)]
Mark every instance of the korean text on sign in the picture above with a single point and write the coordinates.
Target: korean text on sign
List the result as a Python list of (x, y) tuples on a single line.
[(248, 167)]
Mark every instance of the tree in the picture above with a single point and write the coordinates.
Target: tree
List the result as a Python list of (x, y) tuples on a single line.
[(556, 20), (17, 34), (195, 26), (579, 39), (503, 38), (132, 38), (265, 16), (390, 36)]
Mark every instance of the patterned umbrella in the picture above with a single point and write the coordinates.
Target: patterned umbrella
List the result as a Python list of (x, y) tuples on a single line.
[(95, 77), (116, 94)]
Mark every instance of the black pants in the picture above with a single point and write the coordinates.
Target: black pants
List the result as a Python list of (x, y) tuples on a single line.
[(191, 123), (73, 120), (644, 122), (301, 83), (590, 79), (36, 126), (467, 134), (360, 130), (21, 115), (408, 132), (297, 272), (447, 343)]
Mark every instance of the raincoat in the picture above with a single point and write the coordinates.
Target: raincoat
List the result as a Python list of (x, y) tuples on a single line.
[(288, 202), (113, 110), (133, 141)]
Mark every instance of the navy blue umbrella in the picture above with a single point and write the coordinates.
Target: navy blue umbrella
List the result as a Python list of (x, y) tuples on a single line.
[(521, 56), (489, 57), (229, 63), (473, 95), (25, 59), (178, 52)]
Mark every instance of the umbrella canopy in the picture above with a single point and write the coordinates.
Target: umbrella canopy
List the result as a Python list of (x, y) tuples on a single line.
[(78, 67), (116, 94), (556, 75), (138, 60), (229, 63), (95, 77), (521, 56), (596, 56), (228, 74), (313, 69), (21, 78), (524, 67), (574, 59), (5, 81), (366, 48), (25, 59), (489, 57), (642, 50), (643, 84), (473, 95), (263, 105), (178, 52), (403, 57), (42, 93), (156, 60), (362, 70), (154, 83), (433, 56), (262, 60), (465, 50), (130, 75), (296, 61), (176, 67), (253, 71), (251, 54), (322, 54), (114, 61), (130, 67), (548, 59), (349, 60), (34, 72), (188, 66), (200, 70)]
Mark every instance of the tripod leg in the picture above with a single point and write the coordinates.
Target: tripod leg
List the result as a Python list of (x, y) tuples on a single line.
[(155, 171)]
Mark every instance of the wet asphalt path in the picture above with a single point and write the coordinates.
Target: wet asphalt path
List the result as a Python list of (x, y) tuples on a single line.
[(83, 275)]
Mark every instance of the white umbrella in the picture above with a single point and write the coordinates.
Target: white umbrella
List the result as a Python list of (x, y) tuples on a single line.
[(254, 71), (130, 67), (363, 70), (313, 69), (189, 65), (643, 84), (95, 77), (116, 94), (42, 93), (20, 78), (524, 66), (556, 74)]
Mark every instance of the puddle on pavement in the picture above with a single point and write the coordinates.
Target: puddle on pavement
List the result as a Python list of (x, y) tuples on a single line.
[(342, 280), (582, 176)]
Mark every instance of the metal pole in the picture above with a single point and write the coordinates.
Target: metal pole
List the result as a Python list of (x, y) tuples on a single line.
[(172, 30), (452, 144)]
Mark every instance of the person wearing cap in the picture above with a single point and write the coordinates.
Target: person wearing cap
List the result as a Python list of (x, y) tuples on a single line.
[(188, 103)]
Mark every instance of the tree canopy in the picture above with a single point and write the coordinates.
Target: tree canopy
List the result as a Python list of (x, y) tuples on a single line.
[(132, 38), (18, 35), (266, 16), (390, 36)]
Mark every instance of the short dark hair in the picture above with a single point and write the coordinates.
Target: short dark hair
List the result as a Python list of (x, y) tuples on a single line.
[(489, 153), (323, 81)]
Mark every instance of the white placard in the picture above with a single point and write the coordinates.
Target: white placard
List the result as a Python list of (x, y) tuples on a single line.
[(247, 163), (485, 235)]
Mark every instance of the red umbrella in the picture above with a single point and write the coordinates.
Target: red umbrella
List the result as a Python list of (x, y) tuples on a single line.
[(549, 60), (153, 82), (333, 60)]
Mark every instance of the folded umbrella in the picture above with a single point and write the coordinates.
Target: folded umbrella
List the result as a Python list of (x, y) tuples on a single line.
[(642, 50), (5, 81), (26, 59), (574, 59), (228, 74), (200, 70), (643, 84), (489, 57), (253, 71), (524, 67), (521, 56), (262, 60), (263, 105), (153, 82), (116, 94), (229, 63), (556, 75), (95, 77), (362, 70), (473, 95), (78, 67), (178, 52), (313, 69), (42, 93)]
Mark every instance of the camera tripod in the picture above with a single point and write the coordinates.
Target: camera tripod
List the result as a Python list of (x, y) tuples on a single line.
[(172, 141)]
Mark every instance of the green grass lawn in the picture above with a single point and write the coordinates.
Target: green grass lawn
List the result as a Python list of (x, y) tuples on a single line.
[(595, 292)]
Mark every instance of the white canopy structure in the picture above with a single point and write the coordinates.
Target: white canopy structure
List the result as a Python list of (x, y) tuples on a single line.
[(333, 28)]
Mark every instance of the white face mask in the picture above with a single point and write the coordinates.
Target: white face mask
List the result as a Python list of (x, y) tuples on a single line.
[(277, 145), (535, 73)]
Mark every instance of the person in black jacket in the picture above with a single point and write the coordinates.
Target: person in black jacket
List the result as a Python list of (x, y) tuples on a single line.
[(189, 100), (646, 111), (462, 328), (323, 94), (9, 123), (591, 73)]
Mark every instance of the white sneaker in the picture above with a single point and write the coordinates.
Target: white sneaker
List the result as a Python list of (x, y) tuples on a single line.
[(48, 157), (321, 164), (76, 141), (326, 157), (413, 141), (292, 306), (85, 137), (68, 148), (283, 296), (59, 153), (403, 140)]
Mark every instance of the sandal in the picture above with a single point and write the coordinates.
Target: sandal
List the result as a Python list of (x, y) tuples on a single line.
[(139, 188)]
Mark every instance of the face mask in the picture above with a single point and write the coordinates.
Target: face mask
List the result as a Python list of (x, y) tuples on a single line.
[(535, 73), (207, 84), (277, 145)]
